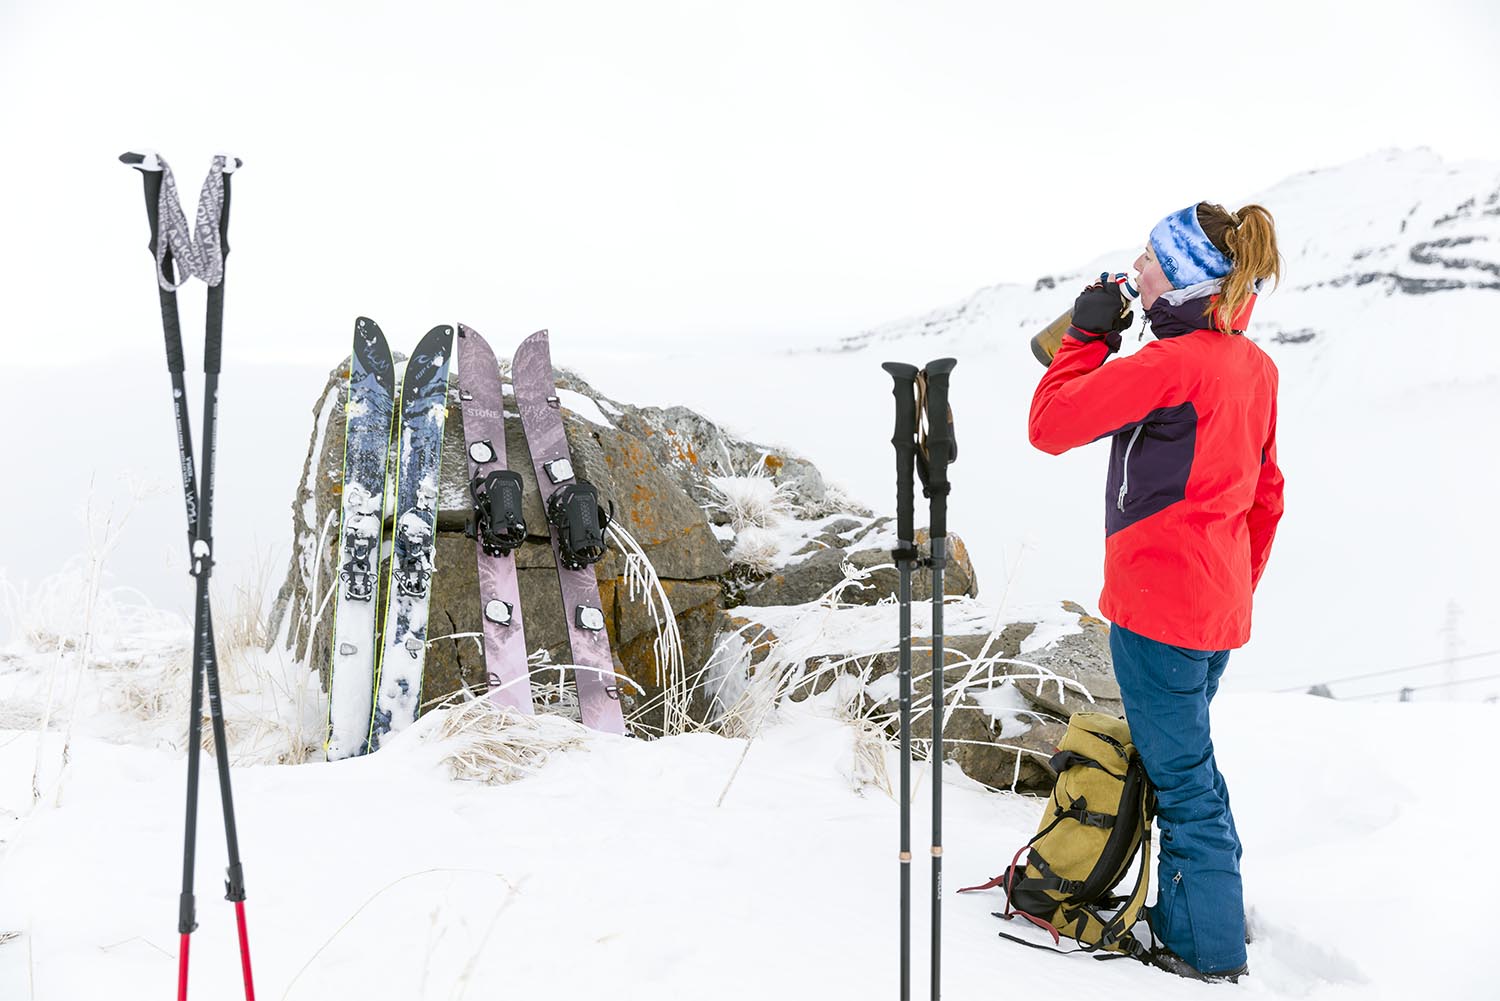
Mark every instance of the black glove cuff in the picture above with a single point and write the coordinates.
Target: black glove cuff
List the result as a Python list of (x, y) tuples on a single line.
[(1111, 340)]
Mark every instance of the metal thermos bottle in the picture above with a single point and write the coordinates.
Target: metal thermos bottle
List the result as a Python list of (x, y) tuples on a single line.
[(1045, 344)]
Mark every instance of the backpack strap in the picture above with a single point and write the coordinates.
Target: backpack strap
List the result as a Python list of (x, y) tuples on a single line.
[(1050, 880), (1116, 931), (1089, 818), (1063, 760), (1000, 879), (1060, 952)]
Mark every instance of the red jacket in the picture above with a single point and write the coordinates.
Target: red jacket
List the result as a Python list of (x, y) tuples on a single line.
[(1194, 492)]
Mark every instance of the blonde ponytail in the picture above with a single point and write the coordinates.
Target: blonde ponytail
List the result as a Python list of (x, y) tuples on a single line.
[(1248, 238)]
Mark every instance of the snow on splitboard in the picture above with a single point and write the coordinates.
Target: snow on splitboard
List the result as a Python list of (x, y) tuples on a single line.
[(498, 527), (424, 399), (536, 398), (368, 409)]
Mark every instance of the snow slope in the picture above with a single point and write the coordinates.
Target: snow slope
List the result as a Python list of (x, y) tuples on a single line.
[(614, 869)]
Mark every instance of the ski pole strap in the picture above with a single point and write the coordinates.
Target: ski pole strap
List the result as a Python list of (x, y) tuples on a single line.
[(937, 446), (198, 250)]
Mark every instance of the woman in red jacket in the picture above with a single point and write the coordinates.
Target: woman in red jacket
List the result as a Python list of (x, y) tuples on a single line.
[(1191, 506)]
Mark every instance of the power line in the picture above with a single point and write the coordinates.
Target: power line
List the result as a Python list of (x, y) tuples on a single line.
[(1394, 670), (1423, 688)]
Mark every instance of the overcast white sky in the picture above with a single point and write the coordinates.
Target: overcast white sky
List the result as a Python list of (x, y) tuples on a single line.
[(661, 170)]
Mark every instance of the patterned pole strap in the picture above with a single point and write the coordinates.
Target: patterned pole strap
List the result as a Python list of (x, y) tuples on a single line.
[(196, 250)]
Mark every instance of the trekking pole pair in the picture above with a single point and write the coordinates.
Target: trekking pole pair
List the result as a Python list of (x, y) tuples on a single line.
[(172, 245), (925, 444)]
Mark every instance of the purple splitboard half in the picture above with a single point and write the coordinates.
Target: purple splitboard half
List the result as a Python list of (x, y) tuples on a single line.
[(483, 406), (541, 417)]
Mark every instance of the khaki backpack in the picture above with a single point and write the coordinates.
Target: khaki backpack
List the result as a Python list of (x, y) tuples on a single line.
[(1097, 820)]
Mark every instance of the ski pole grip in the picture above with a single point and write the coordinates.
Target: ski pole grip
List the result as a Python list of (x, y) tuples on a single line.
[(904, 379), (151, 176), (940, 441)]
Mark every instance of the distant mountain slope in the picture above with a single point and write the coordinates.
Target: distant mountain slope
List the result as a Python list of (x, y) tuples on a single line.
[(1393, 223)]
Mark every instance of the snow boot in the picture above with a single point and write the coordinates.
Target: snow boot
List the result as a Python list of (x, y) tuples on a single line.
[(1165, 959)]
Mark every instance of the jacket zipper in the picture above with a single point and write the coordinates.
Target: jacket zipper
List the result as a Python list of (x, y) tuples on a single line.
[(1125, 467)]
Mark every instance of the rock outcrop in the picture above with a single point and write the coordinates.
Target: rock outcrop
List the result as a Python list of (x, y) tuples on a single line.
[(665, 470)]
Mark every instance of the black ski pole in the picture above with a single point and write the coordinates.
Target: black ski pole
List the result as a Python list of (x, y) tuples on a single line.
[(938, 449), (198, 498), (905, 555)]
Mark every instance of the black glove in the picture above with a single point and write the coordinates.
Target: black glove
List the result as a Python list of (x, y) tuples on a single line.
[(1096, 314)]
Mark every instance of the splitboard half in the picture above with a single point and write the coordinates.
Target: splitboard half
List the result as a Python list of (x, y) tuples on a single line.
[(424, 409), (576, 524), (368, 410), (498, 527)]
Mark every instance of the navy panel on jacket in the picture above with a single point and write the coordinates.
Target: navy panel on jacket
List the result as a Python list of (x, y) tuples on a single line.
[(1153, 466)]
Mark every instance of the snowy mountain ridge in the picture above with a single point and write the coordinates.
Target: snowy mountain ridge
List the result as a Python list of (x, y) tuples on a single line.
[(1395, 222)]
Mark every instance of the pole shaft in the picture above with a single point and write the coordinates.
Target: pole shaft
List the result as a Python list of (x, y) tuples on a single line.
[(938, 712), (187, 917), (185, 940), (904, 438), (940, 451), (239, 918), (904, 670)]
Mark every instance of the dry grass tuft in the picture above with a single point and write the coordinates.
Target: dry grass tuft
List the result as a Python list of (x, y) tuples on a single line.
[(755, 552), (752, 499), (497, 745)]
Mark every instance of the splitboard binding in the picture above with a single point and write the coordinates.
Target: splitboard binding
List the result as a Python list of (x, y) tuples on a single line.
[(497, 523), (581, 524)]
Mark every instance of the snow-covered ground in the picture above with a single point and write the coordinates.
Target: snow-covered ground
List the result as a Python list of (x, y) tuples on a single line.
[(683, 867)]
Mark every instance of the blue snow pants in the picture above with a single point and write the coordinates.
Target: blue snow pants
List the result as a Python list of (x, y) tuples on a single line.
[(1199, 912)]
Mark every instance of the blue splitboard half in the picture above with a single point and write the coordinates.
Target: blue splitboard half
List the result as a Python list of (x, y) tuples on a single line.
[(419, 443), (369, 408)]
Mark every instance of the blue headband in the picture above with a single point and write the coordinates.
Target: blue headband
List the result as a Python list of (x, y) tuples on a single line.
[(1186, 255)]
